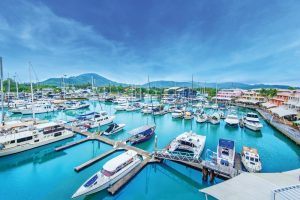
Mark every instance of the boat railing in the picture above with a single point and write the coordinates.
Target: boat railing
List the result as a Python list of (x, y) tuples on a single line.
[(177, 156), (289, 192)]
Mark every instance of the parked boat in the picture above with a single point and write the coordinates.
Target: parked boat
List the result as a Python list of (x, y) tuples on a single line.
[(112, 171), (232, 119), (251, 159), (202, 118), (177, 113), (113, 128), (35, 136), (95, 119), (188, 115), (251, 121), (214, 118), (74, 105), (121, 107), (226, 152), (141, 134), (190, 142)]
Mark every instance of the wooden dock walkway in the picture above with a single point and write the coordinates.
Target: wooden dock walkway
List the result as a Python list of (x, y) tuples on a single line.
[(94, 160), (71, 144), (119, 184)]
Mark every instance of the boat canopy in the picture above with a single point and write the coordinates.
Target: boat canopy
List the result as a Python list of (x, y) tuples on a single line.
[(114, 163), (141, 129), (229, 144)]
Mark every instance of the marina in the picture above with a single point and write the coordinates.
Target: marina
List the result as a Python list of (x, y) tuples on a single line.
[(152, 155)]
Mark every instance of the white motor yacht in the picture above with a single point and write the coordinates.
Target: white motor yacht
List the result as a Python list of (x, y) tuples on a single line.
[(251, 121), (251, 159), (214, 118), (112, 171), (190, 142), (32, 137), (177, 113), (98, 119), (232, 119), (202, 118)]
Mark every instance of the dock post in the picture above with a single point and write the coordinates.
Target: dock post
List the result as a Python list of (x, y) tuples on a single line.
[(212, 175), (204, 174)]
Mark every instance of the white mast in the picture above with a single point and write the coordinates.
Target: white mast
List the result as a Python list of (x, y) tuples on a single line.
[(2, 93), (17, 88), (31, 88)]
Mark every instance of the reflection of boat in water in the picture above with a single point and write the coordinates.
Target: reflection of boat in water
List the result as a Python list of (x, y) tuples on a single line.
[(190, 142), (113, 128), (112, 171), (251, 159), (141, 134)]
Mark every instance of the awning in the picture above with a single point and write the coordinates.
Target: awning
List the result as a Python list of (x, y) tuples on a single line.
[(253, 186), (282, 111), (268, 105)]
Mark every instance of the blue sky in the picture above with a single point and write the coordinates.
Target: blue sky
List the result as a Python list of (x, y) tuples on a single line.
[(125, 40)]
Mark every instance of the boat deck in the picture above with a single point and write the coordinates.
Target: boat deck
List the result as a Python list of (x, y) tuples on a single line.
[(119, 184)]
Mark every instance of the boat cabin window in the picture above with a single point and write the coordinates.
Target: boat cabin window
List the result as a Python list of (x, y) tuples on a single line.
[(91, 181), (24, 139), (186, 143), (225, 151), (247, 157), (107, 173), (252, 159), (256, 159), (13, 141)]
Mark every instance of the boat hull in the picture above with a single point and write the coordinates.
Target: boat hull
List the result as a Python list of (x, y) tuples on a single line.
[(26, 147)]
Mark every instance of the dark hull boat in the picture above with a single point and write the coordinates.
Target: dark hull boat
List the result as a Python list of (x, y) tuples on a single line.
[(141, 134)]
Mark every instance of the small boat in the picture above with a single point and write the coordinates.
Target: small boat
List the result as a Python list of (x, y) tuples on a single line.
[(222, 115), (159, 110), (121, 107), (251, 121), (141, 134), (94, 119), (188, 115), (177, 114), (112, 171), (190, 142), (232, 119), (251, 159), (226, 152), (73, 105), (202, 118), (214, 118), (113, 128)]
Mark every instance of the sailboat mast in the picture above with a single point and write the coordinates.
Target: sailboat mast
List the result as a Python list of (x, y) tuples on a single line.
[(17, 87), (31, 88), (2, 93)]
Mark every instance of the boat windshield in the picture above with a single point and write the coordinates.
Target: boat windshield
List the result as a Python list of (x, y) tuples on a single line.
[(106, 173)]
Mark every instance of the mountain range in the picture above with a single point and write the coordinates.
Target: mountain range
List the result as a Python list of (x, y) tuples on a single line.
[(102, 81)]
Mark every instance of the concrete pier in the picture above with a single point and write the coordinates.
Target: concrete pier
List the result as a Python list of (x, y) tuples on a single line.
[(71, 144), (123, 181), (94, 160)]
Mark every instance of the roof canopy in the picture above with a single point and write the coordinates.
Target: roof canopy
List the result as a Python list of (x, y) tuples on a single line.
[(252, 186), (226, 143), (282, 112)]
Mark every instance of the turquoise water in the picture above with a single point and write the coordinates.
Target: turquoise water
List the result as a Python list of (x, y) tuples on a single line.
[(44, 174)]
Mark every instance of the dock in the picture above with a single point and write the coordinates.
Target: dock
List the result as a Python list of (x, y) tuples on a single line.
[(71, 144), (119, 184), (94, 160)]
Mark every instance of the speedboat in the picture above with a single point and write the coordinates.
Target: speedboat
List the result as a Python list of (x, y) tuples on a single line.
[(232, 119), (121, 107), (177, 114), (73, 105), (188, 115), (251, 160), (214, 118), (202, 118), (190, 142), (226, 152), (113, 128), (141, 134), (251, 121), (112, 171)]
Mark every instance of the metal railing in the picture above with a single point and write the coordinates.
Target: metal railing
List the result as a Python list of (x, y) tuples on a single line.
[(177, 156)]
